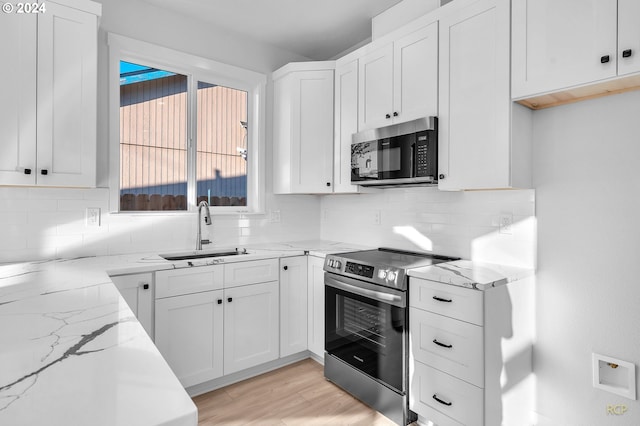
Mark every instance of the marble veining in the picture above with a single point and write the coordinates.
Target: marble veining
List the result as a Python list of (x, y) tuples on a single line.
[(73, 353), (469, 274)]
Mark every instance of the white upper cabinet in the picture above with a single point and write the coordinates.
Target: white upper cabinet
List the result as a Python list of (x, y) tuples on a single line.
[(375, 105), (569, 50), (18, 104), (399, 80), (415, 70), (484, 139), (48, 123), (303, 128), (346, 123), (562, 43), (628, 37)]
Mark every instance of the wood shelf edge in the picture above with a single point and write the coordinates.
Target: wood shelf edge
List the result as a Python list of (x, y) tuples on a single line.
[(583, 93)]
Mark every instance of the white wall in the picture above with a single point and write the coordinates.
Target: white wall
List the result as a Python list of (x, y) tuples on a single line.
[(464, 224), (40, 223), (587, 179)]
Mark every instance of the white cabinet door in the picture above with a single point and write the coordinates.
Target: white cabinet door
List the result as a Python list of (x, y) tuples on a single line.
[(415, 74), (18, 102), (251, 334), (67, 84), (315, 305), (375, 100), (628, 36), (563, 43), (346, 124), (475, 104), (293, 305), (137, 291), (303, 132), (189, 335)]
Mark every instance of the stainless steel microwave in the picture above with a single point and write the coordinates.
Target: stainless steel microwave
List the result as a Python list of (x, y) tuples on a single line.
[(405, 153)]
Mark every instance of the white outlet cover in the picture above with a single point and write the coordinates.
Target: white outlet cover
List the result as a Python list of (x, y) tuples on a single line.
[(506, 224), (92, 216)]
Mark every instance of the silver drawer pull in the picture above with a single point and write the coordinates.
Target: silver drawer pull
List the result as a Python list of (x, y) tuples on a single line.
[(442, 344), (435, 396), (440, 299)]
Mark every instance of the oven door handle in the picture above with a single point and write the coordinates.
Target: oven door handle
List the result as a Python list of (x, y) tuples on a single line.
[(372, 294)]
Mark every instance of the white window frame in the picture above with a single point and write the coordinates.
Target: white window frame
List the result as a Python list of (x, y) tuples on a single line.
[(196, 69)]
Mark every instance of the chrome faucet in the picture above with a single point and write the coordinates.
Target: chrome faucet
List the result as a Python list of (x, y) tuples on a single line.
[(207, 221)]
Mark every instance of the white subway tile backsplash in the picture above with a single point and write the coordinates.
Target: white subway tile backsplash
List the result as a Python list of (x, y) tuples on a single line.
[(464, 224), (56, 193), (461, 224)]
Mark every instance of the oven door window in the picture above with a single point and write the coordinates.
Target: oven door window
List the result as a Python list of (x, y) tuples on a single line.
[(366, 334)]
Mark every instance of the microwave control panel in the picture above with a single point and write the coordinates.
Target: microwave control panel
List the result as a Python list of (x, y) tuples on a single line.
[(424, 156)]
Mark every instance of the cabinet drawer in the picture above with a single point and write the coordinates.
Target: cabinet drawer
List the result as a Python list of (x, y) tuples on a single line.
[(176, 282), (460, 402), (453, 346), (444, 299), (253, 272)]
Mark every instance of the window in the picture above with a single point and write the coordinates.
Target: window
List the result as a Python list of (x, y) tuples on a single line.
[(187, 129)]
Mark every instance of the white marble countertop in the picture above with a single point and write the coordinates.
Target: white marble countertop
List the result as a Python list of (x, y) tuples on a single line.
[(466, 273), (72, 352)]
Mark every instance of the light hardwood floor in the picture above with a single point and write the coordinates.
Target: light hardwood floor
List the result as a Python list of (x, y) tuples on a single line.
[(297, 394)]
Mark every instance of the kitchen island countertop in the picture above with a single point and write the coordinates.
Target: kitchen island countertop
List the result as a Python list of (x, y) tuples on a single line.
[(72, 351)]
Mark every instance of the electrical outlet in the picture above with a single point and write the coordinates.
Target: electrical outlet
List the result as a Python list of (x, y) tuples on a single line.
[(376, 217), (92, 216), (506, 223), (275, 216)]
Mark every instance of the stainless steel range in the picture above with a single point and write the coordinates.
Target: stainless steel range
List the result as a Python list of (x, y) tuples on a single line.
[(366, 326)]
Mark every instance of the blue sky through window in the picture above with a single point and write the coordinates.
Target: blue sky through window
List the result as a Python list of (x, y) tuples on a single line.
[(134, 73)]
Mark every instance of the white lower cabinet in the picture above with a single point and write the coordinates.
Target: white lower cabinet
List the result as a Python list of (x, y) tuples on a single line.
[(315, 306), (250, 326), (444, 399), (293, 305), (137, 291), (189, 335), (207, 326), (462, 341)]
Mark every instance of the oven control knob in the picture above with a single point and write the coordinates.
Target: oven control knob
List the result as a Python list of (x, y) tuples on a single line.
[(382, 274), (391, 276), (331, 263), (337, 264)]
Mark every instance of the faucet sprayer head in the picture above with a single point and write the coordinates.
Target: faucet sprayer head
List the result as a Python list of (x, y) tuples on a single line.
[(207, 214)]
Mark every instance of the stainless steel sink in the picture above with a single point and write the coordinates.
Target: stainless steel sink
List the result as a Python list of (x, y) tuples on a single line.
[(201, 254)]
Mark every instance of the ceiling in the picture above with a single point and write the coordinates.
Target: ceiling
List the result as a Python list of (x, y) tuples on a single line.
[(316, 29)]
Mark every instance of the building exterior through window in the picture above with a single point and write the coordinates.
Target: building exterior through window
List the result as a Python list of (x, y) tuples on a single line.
[(154, 134)]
